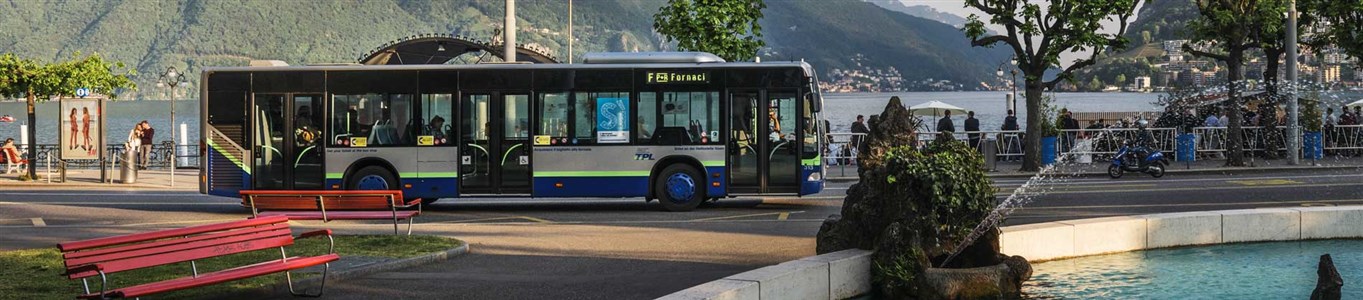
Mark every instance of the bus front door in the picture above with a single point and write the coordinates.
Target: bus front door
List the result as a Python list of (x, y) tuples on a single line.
[(761, 143), (495, 144), (286, 131)]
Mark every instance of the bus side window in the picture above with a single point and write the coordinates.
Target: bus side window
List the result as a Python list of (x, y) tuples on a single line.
[(553, 117), (647, 118)]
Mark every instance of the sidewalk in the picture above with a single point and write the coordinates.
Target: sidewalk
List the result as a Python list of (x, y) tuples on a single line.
[(157, 179), (1099, 167)]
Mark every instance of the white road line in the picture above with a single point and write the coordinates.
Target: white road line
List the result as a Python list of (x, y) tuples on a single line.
[(101, 194), (114, 203), (38, 222)]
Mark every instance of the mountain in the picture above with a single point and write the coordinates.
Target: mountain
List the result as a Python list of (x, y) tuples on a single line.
[(1163, 20), (921, 11), (150, 35)]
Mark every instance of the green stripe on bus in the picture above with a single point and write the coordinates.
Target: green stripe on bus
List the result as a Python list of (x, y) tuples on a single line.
[(712, 163), (816, 161), (417, 175), (229, 156), (591, 174)]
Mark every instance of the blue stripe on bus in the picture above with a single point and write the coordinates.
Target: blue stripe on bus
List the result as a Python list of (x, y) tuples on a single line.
[(421, 187), (723, 188), (224, 191), (632, 186), (810, 187)]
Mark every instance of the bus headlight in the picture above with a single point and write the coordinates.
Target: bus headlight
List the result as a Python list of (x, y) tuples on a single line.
[(816, 177)]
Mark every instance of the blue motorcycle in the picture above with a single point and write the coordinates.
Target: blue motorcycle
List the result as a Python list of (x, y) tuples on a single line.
[(1128, 160)]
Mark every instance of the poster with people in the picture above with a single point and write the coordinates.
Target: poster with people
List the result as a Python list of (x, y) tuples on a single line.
[(81, 130)]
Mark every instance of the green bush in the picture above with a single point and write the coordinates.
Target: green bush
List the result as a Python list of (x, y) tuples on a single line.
[(1311, 118), (948, 191)]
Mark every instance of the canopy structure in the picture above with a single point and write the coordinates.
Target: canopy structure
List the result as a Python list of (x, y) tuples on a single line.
[(441, 48), (1355, 103), (934, 109)]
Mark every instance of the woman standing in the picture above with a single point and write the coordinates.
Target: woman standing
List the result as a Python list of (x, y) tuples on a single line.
[(85, 129), (75, 130)]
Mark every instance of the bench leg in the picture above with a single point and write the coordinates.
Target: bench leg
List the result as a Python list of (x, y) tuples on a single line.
[(409, 225), (320, 287)]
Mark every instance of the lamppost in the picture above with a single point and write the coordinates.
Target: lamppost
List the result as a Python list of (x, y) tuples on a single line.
[(1012, 103), (173, 79)]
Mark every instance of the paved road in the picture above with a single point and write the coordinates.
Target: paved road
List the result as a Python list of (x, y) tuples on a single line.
[(625, 249)]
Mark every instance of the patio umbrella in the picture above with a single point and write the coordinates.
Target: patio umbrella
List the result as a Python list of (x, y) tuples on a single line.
[(934, 109), (1356, 103)]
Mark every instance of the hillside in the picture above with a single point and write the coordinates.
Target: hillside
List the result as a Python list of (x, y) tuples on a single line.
[(190, 34), (1163, 20), (921, 11)]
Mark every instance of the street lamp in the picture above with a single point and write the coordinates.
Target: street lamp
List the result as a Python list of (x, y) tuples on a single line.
[(1011, 105), (172, 78)]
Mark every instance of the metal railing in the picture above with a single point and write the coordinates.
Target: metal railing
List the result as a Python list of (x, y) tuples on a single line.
[(49, 155), (1103, 143)]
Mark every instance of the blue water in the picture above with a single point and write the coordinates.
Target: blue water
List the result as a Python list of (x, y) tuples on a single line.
[(1281, 270)]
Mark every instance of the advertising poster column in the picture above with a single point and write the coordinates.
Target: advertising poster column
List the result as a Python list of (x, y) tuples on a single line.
[(81, 128)]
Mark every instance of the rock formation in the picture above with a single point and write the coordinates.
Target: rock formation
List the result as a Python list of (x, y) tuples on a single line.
[(1328, 281)]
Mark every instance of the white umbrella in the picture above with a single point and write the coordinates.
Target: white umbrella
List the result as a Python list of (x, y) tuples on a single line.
[(1356, 103), (934, 109)]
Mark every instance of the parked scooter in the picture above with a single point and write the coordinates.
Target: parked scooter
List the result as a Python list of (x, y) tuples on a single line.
[(1153, 163)]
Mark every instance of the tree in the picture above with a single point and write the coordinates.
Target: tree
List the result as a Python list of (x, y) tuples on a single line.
[(1226, 29), (1145, 37), (1339, 23), (1095, 85), (38, 82), (1121, 79), (727, 28), (1038, 35)]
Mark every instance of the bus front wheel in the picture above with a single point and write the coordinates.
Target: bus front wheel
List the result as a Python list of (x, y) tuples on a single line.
[(679, 188), (372, 178)]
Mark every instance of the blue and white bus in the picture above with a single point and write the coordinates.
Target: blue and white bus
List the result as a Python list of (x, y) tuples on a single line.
[(682, 128)]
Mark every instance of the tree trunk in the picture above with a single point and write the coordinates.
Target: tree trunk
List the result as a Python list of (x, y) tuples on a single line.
[(1235, 137), (32, 137), (1031, 159), (1268, 112)]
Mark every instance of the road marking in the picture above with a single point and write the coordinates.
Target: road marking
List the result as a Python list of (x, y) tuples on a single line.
[(1187, 189), (783, 216), (1100, 181), (1264, 182), (1316, 202), (744, 216), (38, 222), (534, 219), (1310, 204), (113, 203)]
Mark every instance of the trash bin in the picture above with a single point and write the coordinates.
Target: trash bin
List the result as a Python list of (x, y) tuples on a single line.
[(1187, 147), (990, 152), (128, 173)]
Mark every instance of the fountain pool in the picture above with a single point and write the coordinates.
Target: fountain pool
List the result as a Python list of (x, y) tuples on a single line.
[(1273, 270)]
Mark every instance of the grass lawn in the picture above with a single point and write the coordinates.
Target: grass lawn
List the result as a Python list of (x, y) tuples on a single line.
[(36, 273)]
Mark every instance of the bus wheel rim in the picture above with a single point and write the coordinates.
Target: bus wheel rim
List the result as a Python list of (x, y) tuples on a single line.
[(681, 188), (373, 182)]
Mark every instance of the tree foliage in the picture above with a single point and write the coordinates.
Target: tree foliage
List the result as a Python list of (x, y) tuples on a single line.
[(727, 28), (1338, 23), (1038, 35), (1224, 32), (37, 82)]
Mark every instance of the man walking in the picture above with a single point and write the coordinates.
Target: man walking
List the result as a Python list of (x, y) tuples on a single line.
[(144, 153), (972, 129), (1012, 145)]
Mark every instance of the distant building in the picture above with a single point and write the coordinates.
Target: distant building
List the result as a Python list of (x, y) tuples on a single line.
[(1141, 83), (1330, 74)]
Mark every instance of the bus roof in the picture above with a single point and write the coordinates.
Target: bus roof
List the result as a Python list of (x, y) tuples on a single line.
[(808, 70)]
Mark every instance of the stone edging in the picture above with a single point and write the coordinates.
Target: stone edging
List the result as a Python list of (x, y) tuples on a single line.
[(1065, 239), (838, 275)]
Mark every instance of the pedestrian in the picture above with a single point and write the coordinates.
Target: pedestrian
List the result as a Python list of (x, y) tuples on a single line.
[(972, 129), (1013, 145), (1329, 127), (1211, 121), (1071, 127), (133, 144), (859, 129), (144, 152), (1223, 121), (945, 125)]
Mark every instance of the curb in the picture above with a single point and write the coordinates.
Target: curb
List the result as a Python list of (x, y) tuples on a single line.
[(282, 288), (1224, 171)]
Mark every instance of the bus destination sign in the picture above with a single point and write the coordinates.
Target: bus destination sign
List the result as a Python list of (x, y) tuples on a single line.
[(677, 77)]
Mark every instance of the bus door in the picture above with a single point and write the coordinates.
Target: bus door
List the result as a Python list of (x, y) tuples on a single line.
[(495, 143), (286, 135), (763, 143)]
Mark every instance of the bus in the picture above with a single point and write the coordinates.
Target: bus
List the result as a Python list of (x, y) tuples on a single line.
[(681, 128)]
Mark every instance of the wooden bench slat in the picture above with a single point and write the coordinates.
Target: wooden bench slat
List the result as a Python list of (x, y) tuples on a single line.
[(168, 242), (188, 255), (268, 267), (343, 215), (156, 235), (213, 240)]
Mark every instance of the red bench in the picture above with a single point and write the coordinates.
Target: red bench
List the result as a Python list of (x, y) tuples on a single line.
[(333, 205), (104, 256)]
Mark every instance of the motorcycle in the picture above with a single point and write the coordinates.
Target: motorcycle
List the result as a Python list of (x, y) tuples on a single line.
[(1154, 163)]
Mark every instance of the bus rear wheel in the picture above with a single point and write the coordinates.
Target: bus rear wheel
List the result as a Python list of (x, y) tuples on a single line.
[(679, 188), (372, 178)]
